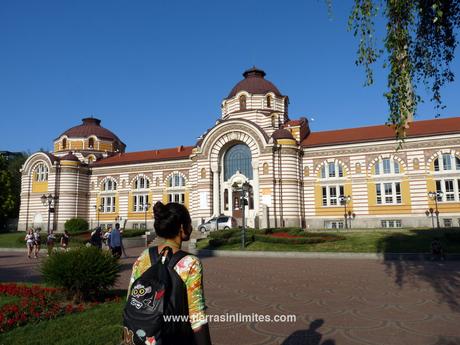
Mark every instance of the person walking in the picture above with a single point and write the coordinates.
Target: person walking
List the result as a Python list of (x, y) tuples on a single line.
[(65, 240), (173, 223), (37, 242), (96, 237), (114, 241), (50, 242), (29, 242)]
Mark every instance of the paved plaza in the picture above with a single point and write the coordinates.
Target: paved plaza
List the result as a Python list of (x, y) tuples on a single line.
[(336, 301)]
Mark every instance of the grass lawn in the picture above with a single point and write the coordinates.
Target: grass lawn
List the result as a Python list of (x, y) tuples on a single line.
[(404, 241), (100, 325), (12, 240)]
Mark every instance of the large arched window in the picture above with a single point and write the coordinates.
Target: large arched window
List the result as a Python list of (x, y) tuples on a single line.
[(385, 166), (238, 158), (41, 173), (447, 162)]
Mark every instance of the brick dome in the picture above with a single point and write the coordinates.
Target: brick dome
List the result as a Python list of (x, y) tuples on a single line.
[(90, 126), (254, 82)]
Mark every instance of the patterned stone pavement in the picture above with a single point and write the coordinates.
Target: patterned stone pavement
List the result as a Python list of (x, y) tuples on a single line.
[(335, 301)]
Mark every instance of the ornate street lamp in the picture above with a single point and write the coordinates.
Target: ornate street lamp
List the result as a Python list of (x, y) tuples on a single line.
[(98, 209), (351, 216), (436, 196), (49, 201), (146, 208), (244, 190), (344, 200)]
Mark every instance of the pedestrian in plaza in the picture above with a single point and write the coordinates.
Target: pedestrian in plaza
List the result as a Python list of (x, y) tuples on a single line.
[(106, 236), (437, 252), (65, 240), (37, 242), (122, 246), (96, 238), (50, 242), (185, 295), (29, 242), (114, 241)]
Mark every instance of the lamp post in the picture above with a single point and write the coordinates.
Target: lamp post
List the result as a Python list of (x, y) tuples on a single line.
[(49, 201), (98, 209), (244, 190), (430, 212), (344, 200), (146, 208), (435, 196), (351, 215)]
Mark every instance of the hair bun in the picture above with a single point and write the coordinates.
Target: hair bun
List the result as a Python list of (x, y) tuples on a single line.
[(159, 211)]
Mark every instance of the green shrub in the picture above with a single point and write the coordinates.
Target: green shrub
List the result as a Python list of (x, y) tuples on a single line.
[(133, 233), (76, 225), (305, 239), (225, 233), (82, 272)]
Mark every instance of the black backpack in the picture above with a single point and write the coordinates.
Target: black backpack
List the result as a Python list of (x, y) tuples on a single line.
[(157, 293)]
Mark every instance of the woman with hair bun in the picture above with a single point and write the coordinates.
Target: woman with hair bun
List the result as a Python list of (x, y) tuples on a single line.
[(173, 223)]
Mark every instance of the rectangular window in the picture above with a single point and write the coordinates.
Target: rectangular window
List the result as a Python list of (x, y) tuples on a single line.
[(388, 193), (398, 192), (135, 226), (447, 222), (391, 223), (458, 189), (378, 192), (450, 193), (324, 196), (340, 171), (108, 204), (396, 165), (377, 168), (334, 224), (438, 188), (386, 166), (447, 161), (332, 196), (436, 164), (457, 163)]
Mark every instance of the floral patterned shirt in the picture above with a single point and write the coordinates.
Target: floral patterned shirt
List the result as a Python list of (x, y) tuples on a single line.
[(190, 270)]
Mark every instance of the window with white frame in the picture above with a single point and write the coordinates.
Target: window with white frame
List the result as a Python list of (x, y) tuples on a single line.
[(390, 223), (176, 188), (334, 224), (41, 173), (331, 195), (108, 204), (388, 193), (450, 189), (176, 180), (141, 183), (448, 222), (109, 185), (386, 166), (447, 162), (140, 202), (331, 170)]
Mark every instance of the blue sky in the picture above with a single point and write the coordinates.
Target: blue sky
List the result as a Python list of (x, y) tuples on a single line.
[(155, 72)]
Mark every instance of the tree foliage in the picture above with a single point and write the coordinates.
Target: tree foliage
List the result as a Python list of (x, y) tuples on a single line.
[(10, 187), (418, 47)]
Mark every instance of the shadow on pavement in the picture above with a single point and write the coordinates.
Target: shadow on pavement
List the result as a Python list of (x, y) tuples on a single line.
[(443, 276), (447, 341), (310, 336)]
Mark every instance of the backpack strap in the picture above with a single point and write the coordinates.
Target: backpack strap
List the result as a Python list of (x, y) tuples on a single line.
[(177, 256), (153, 253)]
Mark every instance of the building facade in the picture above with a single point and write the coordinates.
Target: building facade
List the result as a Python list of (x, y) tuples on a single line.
[(296, 177)]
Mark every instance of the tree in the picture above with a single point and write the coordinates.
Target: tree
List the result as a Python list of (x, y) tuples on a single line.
[(420, 43), (6, 193)]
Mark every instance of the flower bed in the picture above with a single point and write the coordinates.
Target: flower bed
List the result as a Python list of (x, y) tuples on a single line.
[(36, 303), (284, 235)]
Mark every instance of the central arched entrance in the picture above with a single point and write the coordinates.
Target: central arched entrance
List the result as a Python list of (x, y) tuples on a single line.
[(237, 169)]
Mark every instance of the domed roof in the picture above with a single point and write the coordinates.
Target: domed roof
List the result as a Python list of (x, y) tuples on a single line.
[(70, 157), (255, 83), (90, 126), (282, 133)]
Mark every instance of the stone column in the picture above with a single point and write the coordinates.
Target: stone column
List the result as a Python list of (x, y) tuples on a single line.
[(255, 185), (215, 189)]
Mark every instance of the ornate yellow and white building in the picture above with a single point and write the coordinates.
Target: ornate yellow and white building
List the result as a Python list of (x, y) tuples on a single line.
[(297, 177)]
